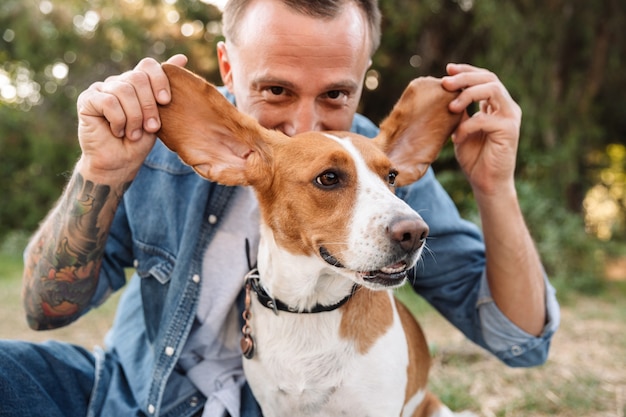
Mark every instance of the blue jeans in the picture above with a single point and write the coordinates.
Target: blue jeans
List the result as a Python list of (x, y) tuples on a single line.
[(56, 379)]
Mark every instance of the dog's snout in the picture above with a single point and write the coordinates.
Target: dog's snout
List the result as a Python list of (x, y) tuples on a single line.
[(410, 234)]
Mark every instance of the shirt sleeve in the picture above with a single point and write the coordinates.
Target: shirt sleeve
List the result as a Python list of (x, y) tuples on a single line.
[(511, 344), (451, 277)]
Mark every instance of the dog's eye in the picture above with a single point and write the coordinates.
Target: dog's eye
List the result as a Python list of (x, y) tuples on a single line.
[(327, 179), (391, 177)]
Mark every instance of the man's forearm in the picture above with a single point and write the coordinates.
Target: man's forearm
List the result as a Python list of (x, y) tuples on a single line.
[(63, 259), (514, 270)]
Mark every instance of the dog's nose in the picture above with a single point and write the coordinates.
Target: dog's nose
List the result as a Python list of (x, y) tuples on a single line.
[(410, 234)]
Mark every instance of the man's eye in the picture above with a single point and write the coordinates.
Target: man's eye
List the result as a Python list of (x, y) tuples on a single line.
[(335, 94), (277, 91)]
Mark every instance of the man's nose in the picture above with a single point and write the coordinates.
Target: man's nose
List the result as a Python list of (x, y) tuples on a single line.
[(304, 118)]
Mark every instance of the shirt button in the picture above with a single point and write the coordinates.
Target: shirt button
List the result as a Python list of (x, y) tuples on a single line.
[(135, 263), (517, 350), (212, 219), (193, 401), (169, 351), (151, 409), (195, 278)]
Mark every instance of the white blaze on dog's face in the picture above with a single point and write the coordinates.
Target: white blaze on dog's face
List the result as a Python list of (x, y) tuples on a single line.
[(386, 236), (336, 201)]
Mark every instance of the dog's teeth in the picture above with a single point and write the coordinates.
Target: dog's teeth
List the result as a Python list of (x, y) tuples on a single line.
[(391, 269)]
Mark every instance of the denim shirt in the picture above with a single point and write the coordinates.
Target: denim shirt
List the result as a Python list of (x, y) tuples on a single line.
[(162, 228)]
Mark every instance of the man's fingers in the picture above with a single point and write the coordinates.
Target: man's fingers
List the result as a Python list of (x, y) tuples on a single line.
[(486, 90), (137, 104), (178, 59), (93, 103), (158, 80), (488, 95), (159, 84), (462, 76), (454, 68), (129, 101), (471, 126)]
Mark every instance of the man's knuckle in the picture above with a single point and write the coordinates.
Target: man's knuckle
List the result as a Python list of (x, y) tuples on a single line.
[(146, 63), (97, 86), (135, 119), (137, 79), (83, 97), (149, 105)]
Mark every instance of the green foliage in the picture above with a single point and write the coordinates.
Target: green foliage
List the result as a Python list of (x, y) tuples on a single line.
[(554, 57), (90, 41), (562, 62), (570, 256), (32, 164)]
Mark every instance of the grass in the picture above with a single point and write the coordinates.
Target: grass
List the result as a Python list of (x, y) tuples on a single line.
[(584, 394), (585, 375)]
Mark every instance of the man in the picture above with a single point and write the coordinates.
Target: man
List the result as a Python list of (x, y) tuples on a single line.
[(173, 349)]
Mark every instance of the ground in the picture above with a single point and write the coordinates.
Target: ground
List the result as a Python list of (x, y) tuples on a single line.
[(585, 374)]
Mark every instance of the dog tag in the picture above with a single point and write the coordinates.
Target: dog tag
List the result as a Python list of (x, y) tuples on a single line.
[(247, 346)]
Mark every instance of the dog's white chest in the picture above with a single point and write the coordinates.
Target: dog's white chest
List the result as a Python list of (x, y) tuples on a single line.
[(303, 368)]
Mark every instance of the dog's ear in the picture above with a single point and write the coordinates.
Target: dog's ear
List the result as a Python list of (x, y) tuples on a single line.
[(417, 128), (209, 133)]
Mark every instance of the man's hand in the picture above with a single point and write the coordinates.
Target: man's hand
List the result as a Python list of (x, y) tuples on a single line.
[(486, 148), (485, 143), (118, 120)]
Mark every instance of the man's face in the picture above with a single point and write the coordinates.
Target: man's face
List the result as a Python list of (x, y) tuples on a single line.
[(296, 73)]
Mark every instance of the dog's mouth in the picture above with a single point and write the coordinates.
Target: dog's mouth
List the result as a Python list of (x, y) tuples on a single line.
[(390, 276)]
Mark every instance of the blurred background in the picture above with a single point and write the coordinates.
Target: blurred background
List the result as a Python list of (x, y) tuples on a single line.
[(563, 62)]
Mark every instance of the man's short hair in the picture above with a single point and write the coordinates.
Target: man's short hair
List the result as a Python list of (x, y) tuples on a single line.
[(324, 9)]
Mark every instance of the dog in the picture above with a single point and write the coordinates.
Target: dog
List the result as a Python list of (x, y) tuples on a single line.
[(323, 333)]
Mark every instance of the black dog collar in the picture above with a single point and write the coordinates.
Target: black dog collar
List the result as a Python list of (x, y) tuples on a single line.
[(252, 279)]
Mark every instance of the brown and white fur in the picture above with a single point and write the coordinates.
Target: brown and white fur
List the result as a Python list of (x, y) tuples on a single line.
[(329, 220)]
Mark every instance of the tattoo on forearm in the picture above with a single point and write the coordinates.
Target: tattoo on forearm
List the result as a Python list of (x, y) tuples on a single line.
[(65, 256)]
